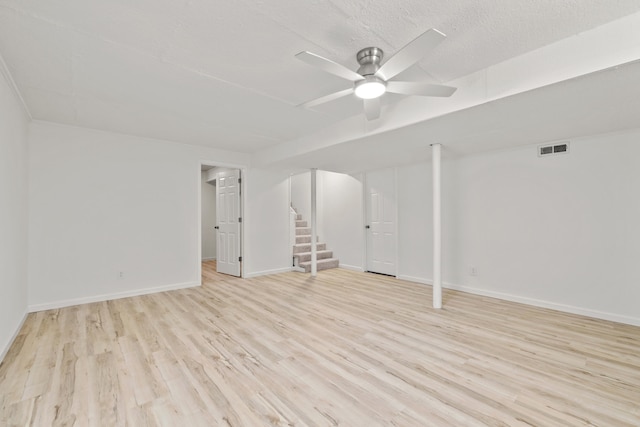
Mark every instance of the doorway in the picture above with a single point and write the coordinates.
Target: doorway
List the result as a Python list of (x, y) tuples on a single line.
[(221, 218), (208, 216), (381, 222), (228, 221)]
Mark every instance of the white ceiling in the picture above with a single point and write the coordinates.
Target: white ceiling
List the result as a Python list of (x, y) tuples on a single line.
[(587, 105), (223, 73)]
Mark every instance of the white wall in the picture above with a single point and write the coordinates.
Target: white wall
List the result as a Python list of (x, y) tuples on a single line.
[(561, 231), (415, 220), (13, 213), (301, 194), (208, 206), (339, 220), (342, 217), (98, 206), (301, 199), (266, 222)]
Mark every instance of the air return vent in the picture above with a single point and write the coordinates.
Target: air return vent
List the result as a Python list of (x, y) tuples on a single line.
[(550, 150)]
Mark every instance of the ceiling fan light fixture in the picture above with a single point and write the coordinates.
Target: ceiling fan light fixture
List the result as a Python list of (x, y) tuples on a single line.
[(369, 88), (373, 78)]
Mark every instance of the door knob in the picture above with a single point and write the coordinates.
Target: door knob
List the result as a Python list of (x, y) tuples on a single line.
[(367, 227), (216, 227)]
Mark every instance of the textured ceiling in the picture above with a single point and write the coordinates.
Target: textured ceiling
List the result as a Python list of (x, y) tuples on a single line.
[(587, 105), (223, 73)]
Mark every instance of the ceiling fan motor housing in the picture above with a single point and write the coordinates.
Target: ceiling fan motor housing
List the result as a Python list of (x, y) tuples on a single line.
[(369, 59)]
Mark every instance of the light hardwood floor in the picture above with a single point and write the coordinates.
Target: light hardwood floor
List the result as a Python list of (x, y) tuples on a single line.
[(347, 349)]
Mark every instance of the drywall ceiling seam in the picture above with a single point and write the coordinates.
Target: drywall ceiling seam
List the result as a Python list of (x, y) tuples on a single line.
[(4, 69)]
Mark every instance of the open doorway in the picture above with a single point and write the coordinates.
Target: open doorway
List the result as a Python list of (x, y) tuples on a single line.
[(221, 219), (208, 215)]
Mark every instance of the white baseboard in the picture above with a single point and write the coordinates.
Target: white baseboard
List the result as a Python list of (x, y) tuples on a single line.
[(209, 259), (351, 267), (107, 297), (613, 317), (267, 272), (13, 338), (415, 279), (549, 304)]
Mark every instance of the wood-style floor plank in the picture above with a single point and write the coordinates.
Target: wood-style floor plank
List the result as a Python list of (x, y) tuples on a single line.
[(346, 348)]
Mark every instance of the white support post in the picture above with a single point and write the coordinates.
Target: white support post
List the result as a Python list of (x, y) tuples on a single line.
[(314, 239), (437, 227)]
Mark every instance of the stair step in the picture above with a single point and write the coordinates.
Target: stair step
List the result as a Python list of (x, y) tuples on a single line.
[(298, 217), (303, 231), (304, 239), (306, 247), (323, 264), (300, 223), (306, 256)]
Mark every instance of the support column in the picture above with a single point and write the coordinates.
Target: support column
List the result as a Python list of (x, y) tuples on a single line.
[(314, 239), (437, 227)]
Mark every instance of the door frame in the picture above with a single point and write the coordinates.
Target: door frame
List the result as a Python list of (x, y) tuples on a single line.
[(365, 220), (243, 202)]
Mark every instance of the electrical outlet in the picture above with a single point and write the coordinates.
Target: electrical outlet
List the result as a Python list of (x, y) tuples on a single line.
[(120, 275), (473, 271)]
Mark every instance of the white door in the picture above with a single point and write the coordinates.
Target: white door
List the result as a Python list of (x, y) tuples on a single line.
[(228, 220), (381, 221)]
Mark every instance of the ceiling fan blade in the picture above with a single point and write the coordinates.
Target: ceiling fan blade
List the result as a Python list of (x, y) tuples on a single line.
[(422, 89), (326, 98), (329, 66), (410, 54), (372, 108)]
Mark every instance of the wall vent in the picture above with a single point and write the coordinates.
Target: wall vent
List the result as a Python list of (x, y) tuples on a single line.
[(549, 150)]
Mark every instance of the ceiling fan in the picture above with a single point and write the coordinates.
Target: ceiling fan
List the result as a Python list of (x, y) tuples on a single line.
[(372, 79)]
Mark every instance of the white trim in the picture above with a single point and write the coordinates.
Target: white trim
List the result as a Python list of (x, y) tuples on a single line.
[(314, 228), (199, 224), (415, 279), (613, 317), (209, 259), (4, 70), (396, 261), (5, 350), (108, 297), (548, 304), (351, 267), (267, 272), (436, 177), (365, 221), (243, 202), (244, 215), (292, 223)]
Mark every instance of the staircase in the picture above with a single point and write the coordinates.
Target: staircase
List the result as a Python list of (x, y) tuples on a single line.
[(302, 249)]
